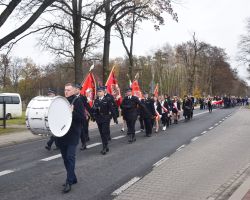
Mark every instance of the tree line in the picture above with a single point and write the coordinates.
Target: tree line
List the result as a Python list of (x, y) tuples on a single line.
[(192, 67)]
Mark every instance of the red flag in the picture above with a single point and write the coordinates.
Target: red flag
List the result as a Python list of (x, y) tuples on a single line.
[(113, 87), (156, 91), (89, 88), (136, 91)]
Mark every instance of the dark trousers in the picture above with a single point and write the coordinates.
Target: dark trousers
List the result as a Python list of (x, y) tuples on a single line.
[(108, 130), (51, 140), (84, 132), (142, 122), (69, 155), (165, 119), (131, 126), (210, 108), (148, 125), (103, 129)]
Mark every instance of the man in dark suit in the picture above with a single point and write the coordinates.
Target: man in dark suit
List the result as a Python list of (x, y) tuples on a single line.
[(87, 114), (68, 142), (129, 108), (115, 108), (147, 112), (103, 110)]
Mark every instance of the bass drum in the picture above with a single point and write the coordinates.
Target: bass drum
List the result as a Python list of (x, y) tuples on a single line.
[(49, 115)]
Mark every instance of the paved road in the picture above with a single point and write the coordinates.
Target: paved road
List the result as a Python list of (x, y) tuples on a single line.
[(25, 175)]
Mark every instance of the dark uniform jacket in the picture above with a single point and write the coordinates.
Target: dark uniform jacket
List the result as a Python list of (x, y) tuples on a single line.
[(73, 135), (129, 107), (147, 109), (166, 105), (115, 107), (158, 107), (103, 110)]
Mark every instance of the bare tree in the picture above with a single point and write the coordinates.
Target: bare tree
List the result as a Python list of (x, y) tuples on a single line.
[(11, 6)]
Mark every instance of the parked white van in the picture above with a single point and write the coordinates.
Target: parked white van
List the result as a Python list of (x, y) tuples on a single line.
[(13, 105)]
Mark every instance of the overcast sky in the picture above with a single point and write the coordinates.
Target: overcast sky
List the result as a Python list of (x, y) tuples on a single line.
[(217, 22)]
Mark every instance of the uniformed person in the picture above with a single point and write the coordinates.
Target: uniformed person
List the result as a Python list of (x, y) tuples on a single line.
[(102, 111), (87, 113), (147, 112), (115, 108), (69, 141), (129, 108), (51, 93)]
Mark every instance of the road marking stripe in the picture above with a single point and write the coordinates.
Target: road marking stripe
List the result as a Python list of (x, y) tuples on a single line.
[(125, 186), (118, 137), (194, 139), (157, 164), (204, 132), (211, 128), (220, 121), (137, 131), (52, 157), (93, 145), (6, 172), (181, 147), (216, 124)]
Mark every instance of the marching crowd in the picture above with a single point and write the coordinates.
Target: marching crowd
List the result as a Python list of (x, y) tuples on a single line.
[(151, 110)]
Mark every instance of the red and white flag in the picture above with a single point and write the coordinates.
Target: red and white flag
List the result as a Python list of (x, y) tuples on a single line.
[(136, 91), (89, 88), (156, 91), (113, 87)]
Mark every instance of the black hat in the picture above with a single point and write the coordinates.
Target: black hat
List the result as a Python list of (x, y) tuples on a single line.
[(101, 88), (129, 89), (77, 85), (50, 91)]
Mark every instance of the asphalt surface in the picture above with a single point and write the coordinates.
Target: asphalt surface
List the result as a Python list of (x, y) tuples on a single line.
[(23, 174)]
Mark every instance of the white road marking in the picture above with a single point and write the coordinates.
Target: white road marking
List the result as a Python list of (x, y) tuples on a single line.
[(52, 157), (216, 124), (125, 186), (181, 147), (194, 139), (137, 131), (118, 137), (157, 164), (2, 173), (211, 128), (93, 145), (220, 121), (204, 132)]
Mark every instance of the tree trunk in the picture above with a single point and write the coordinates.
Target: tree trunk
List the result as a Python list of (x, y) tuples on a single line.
[(106, 47), (77, 40)]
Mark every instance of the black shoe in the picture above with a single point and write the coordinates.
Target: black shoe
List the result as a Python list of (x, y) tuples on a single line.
[(48, 147), (133, 138), (66, 188), (109, 138), (103, 152), (74, 182), (130, 140), (148, 135), (84, 147)]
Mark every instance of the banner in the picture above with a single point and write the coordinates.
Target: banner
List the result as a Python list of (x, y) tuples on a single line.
[(89, 88), (113, 87), (136, 91), (156, 91)]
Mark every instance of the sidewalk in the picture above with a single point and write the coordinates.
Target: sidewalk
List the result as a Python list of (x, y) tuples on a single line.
[(212, 167), (25, 135)]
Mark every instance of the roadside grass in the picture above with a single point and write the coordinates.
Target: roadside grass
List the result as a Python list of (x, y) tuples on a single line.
[(17, 121), (9, 130)]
